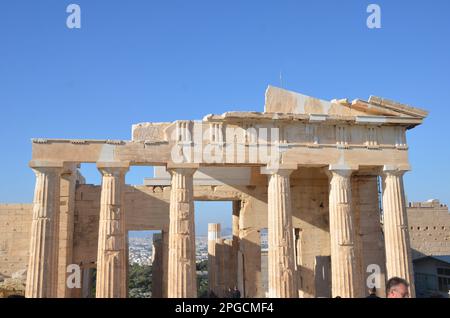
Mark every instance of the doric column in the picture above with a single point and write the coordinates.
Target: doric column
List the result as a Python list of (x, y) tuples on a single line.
[(182, 270), (396, 236), (213, 236), (281, 261), (343, 264), (157, 266), (111, 256), (43, 260)]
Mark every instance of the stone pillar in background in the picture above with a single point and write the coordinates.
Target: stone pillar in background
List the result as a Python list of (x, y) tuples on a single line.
[(235, 244), (112, 259), (182, 273), (219, 265), (43, 260), (228, 266), (157, 266), (281, 258), (69, 179), (213, 236), (343, 264), (396, 236), (165, 261), (86, 285), (250, 262)]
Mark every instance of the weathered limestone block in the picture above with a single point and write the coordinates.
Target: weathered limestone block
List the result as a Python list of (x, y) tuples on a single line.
[(112, 255), (398, 250), (343, 262), (182, 281), (43, 261)]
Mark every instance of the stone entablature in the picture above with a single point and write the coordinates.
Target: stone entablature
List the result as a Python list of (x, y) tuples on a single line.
[(314, 137)]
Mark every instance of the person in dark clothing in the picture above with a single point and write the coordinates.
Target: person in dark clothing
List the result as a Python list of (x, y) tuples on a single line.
[(236, 293), (373, 293), (212, 294)]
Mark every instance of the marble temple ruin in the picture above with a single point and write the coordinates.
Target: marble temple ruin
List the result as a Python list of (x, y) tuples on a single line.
[(324, 178)]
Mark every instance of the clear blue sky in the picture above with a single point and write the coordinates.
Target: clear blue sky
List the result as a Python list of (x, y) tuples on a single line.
[(135, 61)]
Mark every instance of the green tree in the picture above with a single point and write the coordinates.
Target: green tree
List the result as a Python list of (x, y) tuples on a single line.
[(140, 281), (202, 265)]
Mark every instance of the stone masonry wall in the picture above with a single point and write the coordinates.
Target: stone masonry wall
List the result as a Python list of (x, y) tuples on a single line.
[(15, 226), (429, 228)]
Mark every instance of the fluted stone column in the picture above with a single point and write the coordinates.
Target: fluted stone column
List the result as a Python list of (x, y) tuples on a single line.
[(281, 261), (343, 263), (112, 255), (157, 266), (182, 280), (43, 260), (396, 236), (213, 236)]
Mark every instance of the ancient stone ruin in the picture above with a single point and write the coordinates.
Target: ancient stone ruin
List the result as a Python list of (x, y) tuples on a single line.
[(307, 170)]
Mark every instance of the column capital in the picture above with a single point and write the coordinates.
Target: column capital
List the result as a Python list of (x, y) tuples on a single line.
[(395, 169), (342, 167), (113, 167), (284, 169), (344, 171), (187, 169), (46, 166), (171, 166), (70, 169)]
